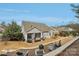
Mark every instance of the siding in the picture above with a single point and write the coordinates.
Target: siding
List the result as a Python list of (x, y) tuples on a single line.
[(46, 34), (34, 31)]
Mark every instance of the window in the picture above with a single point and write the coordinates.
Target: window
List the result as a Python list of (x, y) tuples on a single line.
[(29, 36), (37, 35)]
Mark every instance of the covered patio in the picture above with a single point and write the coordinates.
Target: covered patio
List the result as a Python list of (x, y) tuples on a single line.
[(34, 36)]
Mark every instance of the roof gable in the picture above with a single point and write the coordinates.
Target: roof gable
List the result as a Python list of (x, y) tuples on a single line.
[(30, 25), (34, 30)]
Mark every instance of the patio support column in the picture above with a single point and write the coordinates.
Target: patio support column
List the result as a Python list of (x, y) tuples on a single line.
[(33, 36), (41, 34), (25, 36)]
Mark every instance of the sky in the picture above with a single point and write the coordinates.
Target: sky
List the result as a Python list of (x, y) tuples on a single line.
[(51, 14)]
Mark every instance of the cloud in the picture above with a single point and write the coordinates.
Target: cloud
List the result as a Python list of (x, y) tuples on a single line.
[(14, 11)]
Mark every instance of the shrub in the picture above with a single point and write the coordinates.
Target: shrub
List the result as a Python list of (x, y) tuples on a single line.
[(41, 46), (19, 53), (59, 43), (13, 32)]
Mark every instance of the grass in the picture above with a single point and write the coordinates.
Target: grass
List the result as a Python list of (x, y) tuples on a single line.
[(21, 44)]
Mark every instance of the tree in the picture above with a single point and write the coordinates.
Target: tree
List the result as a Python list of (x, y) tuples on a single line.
[(76, 11), (3, 23), (13, 32)]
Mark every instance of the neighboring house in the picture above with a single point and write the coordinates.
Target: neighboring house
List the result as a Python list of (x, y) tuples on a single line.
[(33, 30), (55, 30), (62, 29), (68, 29), (1, 29)]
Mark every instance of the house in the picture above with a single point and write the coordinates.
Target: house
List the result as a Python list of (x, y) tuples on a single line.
[(1, 29), (55, 30), (63, 29), (67, 31), (34, 30)]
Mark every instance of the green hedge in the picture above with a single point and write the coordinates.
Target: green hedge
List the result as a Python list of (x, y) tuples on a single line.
[(14, 37)]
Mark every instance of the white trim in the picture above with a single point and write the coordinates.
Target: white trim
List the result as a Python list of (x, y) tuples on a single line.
[(34, 30)]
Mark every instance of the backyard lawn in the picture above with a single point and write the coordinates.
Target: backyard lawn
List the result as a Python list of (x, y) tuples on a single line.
[(20, 44)]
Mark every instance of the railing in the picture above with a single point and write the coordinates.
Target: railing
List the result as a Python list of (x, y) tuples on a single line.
[(62, 48)]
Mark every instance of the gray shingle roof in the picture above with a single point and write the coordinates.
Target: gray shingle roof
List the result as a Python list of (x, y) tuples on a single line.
[(28, 25), (64, 29)]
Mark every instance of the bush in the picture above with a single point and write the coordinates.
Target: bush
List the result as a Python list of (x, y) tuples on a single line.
[(41, 46), (19, 53), (13, 37), (13, 32), (64, 33)]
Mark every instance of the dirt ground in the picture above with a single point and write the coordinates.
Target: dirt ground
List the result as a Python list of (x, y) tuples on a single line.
[(72, 50), (14, 45)]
